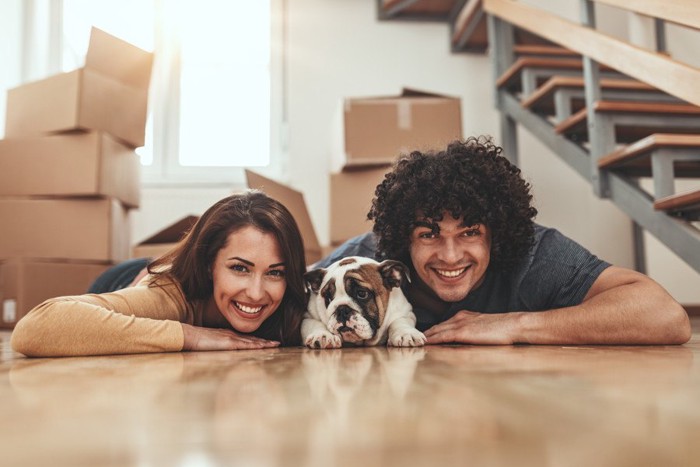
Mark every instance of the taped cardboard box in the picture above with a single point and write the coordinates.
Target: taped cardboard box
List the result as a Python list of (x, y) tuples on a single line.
[(351, 199), (293, 200), (77, 164), (72, 228), (25, 283), (164, 240), (109, 93), (375, 130)]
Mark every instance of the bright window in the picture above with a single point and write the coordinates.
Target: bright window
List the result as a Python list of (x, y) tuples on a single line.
[(210, 103)]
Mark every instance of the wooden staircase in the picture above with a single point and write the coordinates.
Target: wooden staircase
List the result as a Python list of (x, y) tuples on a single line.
[(615, 112)]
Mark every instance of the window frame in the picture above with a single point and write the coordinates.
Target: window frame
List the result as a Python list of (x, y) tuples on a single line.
[(164, 95)]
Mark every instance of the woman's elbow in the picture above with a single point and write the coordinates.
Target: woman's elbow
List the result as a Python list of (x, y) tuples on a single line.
[(29, 331), (21, 339)]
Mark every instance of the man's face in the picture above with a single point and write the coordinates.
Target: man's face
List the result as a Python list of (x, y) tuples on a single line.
[(449, 257)]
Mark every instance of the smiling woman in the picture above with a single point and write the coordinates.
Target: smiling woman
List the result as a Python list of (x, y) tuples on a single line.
[(234, 282)]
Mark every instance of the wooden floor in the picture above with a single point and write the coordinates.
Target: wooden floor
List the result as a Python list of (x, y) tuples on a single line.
[(438, 406)]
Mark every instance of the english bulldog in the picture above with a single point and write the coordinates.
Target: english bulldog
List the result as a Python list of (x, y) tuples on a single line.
[(359, 301)]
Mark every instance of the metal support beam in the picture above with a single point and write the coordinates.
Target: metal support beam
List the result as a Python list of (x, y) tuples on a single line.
[(660, 35), (571, 153), (678, 235)]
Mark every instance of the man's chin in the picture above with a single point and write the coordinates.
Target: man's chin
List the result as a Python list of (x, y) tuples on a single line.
[(452, 295)]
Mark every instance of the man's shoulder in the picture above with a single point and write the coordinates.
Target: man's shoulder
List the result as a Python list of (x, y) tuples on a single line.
[(361, 245), (552, 245)]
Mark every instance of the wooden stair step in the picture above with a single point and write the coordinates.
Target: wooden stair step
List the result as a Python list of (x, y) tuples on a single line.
[(469, 28), (510, 75), (645, 146), (544, 50), (686, 204), (576, 125), (635, 159), (543, 97), (509, 78), (427, 10)]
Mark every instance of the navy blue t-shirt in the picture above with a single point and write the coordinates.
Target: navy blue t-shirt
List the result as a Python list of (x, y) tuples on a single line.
[(556, 273)]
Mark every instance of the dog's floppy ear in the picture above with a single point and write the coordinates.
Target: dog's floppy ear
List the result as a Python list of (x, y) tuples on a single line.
[(394, 273), (314, 278)]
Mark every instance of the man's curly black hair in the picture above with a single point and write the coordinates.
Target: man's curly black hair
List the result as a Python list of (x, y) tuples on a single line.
[(469, 180)]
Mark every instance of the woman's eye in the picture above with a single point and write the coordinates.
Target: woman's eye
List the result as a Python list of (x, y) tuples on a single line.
[(277, 273), (238, 268)]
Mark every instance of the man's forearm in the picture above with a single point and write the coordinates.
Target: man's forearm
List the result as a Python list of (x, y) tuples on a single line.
[(636, 313)]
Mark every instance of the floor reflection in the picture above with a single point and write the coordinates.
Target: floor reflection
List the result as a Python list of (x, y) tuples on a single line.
[(510, 405)]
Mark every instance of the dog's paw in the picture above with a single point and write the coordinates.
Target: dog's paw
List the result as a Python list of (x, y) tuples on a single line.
[(323, 340), (407, 338)]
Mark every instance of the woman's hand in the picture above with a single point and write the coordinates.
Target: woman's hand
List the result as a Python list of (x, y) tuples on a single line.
[(199, 338)]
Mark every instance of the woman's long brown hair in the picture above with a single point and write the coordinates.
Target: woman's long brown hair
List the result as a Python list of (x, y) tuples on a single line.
[(190, 262)]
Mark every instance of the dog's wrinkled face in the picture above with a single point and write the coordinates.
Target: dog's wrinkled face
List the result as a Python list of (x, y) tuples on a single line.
[(352, 295)]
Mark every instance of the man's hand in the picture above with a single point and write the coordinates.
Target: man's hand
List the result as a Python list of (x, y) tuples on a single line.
[(469, 327), (198, 338)]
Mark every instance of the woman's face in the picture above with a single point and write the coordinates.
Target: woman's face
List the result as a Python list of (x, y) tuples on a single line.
[(249, 278)]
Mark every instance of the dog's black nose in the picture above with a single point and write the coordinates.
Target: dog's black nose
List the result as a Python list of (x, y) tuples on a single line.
[(343, 313)]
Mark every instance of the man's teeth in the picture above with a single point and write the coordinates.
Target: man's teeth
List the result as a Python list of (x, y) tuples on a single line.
[(450, 273), (249, 309)]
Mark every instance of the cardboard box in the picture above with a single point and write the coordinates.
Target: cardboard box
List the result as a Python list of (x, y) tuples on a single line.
[(109, 93), (164, 240), (294, 202), (25, 283), (76, 229), (79, 164), (376, 130), (351, 199)]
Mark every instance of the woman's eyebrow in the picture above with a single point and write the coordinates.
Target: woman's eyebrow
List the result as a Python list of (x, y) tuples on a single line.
[(249, 263), (275, 265)]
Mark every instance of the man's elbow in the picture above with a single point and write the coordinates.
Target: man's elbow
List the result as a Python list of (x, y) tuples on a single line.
[(677, 324)]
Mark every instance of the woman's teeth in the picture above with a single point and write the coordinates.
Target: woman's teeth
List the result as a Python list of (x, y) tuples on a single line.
[(248, 309)]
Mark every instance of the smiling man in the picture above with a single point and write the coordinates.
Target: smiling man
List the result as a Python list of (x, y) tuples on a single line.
[(484, 273)]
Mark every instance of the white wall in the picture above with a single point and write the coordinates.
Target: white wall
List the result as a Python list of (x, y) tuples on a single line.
[(10, 38)]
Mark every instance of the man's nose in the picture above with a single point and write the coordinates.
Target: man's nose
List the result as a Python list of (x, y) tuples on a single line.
[(449, 251)]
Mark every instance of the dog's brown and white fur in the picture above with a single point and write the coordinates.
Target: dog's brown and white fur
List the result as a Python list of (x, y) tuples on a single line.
[(359, 301)]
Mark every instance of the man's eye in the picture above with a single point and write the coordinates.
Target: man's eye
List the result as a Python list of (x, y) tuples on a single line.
[(427, 235), (472, 233)]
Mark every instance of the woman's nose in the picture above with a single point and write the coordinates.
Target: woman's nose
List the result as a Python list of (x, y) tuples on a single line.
[(255, 289)]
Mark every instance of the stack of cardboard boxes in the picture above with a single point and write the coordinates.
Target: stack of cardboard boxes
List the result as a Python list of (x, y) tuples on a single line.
[(374, 133), (69, 175)]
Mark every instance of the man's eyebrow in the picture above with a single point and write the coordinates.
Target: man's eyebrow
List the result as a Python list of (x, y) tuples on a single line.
[(425, 223), (432, 225)]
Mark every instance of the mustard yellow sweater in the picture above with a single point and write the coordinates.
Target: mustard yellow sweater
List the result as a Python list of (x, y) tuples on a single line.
[(134, 320)]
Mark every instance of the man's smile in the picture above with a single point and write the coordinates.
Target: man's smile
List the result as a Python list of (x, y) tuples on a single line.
[(450, 273)]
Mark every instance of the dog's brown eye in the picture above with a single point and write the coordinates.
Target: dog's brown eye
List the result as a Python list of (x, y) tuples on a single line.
[(362, 294)]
